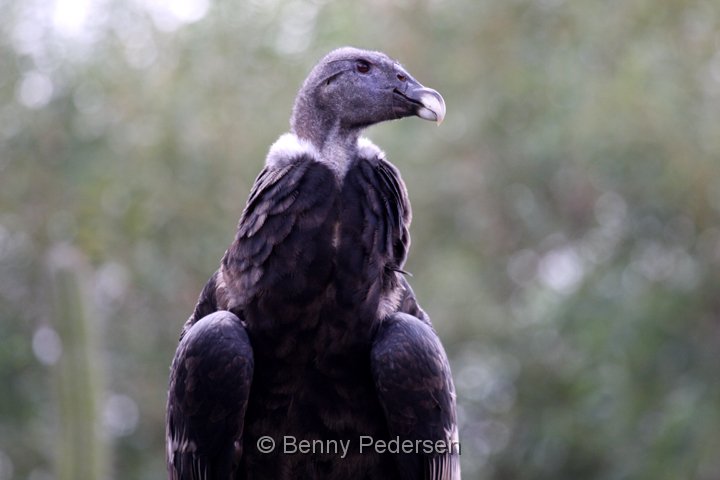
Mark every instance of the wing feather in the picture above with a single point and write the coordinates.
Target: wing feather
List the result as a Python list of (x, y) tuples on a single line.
[(209, 389), (289, 204), (415, 388)]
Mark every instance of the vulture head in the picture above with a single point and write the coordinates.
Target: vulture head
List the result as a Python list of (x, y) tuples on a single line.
[(351, 89)]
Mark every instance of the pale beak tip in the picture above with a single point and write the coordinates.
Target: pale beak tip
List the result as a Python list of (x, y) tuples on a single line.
[(433, 106)]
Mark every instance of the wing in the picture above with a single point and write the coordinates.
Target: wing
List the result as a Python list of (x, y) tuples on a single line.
[(209, 386), (288, 207), (415, 388), (385, 210), (213, 365), (291, 196), (212, 298), (374, 237)]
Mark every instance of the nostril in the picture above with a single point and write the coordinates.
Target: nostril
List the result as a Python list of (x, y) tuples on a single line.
[(401, 77)]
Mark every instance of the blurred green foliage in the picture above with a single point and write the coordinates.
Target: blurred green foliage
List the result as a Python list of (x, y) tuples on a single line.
[(567, 214)]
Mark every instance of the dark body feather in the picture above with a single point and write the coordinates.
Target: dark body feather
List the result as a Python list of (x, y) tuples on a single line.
[(310, 329)]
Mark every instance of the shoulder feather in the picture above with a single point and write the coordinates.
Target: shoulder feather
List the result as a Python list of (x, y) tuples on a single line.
[(288, 148), (367, 150)]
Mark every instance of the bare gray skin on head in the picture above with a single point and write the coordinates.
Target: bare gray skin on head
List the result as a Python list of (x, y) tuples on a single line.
[(351, 89)]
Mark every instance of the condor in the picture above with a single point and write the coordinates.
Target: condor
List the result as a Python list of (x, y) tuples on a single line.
[(309, 330)]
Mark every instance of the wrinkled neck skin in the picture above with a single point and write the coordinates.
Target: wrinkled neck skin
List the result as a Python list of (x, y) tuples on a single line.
[(337, 143)]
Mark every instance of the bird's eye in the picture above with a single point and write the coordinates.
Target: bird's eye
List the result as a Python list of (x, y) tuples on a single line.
[(401, 77), (362, 66)]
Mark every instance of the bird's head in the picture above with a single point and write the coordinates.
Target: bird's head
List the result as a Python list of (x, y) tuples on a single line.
[(351, 89)]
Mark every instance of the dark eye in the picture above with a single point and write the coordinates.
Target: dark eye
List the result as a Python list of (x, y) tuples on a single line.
[(401, 77), (362, 66)]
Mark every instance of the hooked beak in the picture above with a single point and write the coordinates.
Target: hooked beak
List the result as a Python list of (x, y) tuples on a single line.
[(424, 102)]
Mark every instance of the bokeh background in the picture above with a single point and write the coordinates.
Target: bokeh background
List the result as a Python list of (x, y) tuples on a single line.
[(566, 233)]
